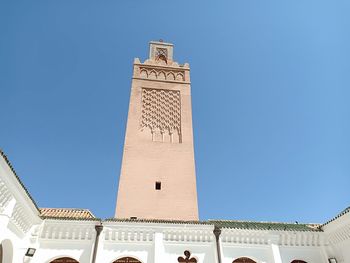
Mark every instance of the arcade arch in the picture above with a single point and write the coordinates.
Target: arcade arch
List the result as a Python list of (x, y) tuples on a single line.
[(64, 260), (127, 260), (244, 260)]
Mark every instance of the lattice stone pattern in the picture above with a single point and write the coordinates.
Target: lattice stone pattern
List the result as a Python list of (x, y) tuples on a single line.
[(161, 112)]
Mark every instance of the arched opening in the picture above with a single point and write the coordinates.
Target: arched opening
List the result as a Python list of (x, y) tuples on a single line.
[(64, 260), (6, 251), (162, 59), (127, 260), (298, 261), (243, 260)]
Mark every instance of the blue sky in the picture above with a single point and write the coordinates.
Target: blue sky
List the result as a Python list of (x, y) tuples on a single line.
[(270, 93)]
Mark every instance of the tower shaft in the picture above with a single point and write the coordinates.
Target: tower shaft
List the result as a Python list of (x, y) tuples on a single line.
[(157, 179)]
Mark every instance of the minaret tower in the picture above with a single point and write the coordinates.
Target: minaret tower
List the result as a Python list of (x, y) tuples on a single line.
[(157, 179)]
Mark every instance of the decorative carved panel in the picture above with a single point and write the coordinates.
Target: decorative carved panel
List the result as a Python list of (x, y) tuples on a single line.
[(162, 55), (187, 258), (161, 114)]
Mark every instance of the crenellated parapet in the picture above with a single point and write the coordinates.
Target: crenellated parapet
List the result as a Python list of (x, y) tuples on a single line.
[(189, 235), (340, 235), (307, 239), (73, 230), (160, 65), (21, 219), (5, 196), (128, 234), (261, 237)]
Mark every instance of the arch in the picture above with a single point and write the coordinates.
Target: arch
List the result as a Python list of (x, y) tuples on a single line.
[(127, 260), (170, 76), (143, 73), (6, 251), (152, 75), (161, 75), (161, 59), (244, 260), (298, 261), (64, 260), (180, 77)]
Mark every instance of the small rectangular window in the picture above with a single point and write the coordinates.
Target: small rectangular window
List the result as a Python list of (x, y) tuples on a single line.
[(158, 185), (133, 217)]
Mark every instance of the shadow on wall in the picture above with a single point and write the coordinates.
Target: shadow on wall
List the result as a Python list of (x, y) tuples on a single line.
[(6, 251)]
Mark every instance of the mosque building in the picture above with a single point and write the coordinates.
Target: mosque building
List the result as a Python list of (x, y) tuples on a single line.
[(160, 223)]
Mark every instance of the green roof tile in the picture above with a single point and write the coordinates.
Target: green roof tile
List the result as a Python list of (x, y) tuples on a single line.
[(265, 225)]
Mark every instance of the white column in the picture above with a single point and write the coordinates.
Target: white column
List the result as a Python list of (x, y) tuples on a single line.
[(158, 248), (276, 253)]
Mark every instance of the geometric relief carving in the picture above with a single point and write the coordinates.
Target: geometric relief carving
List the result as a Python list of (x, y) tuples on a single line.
[(187, 258), (162, 55), (161, 114)]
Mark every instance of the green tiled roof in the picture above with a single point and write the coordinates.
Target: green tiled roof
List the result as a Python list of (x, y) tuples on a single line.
[(264, 225), (231, 224)]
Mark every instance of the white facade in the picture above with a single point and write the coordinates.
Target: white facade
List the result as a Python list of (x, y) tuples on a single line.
[(157, 241)]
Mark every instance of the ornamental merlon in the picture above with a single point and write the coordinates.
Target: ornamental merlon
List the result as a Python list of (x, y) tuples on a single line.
[(160, 65)]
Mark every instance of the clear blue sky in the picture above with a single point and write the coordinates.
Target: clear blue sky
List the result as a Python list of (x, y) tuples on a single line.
[(270, 91)]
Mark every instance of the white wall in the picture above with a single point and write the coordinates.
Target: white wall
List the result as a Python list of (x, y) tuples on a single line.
[(337, 234), (308, 254), (259, 253)]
